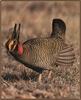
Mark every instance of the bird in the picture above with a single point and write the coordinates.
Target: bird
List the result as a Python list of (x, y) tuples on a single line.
[(40, 54)]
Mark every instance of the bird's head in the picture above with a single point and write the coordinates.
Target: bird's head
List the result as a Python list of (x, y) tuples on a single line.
[(13, 40), (58, 28)]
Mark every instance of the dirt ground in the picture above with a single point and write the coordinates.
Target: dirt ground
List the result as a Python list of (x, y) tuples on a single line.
[(18, 81)]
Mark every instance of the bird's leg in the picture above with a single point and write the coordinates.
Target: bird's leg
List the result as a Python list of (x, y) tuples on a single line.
[(40, 78), (49, 75)]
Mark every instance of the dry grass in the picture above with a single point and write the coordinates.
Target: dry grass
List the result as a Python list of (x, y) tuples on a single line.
[(36, 17)]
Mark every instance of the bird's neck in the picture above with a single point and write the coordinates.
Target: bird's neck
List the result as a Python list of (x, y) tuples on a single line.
[(20, 49)]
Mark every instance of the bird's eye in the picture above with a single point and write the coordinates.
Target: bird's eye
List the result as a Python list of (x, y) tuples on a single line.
[(14, 41)]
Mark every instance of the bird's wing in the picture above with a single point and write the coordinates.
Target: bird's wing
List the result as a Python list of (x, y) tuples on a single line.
[(66, 56)]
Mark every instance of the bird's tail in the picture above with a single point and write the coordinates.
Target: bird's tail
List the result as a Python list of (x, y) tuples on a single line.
[(66, 56)]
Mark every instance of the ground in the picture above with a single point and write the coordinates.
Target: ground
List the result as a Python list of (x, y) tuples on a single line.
[(17, 81)]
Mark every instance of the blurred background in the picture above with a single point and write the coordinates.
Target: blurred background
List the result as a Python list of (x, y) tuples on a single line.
[(36, 19)]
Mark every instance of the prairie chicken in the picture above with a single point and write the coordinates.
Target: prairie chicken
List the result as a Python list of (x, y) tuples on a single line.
[(41, 54)]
